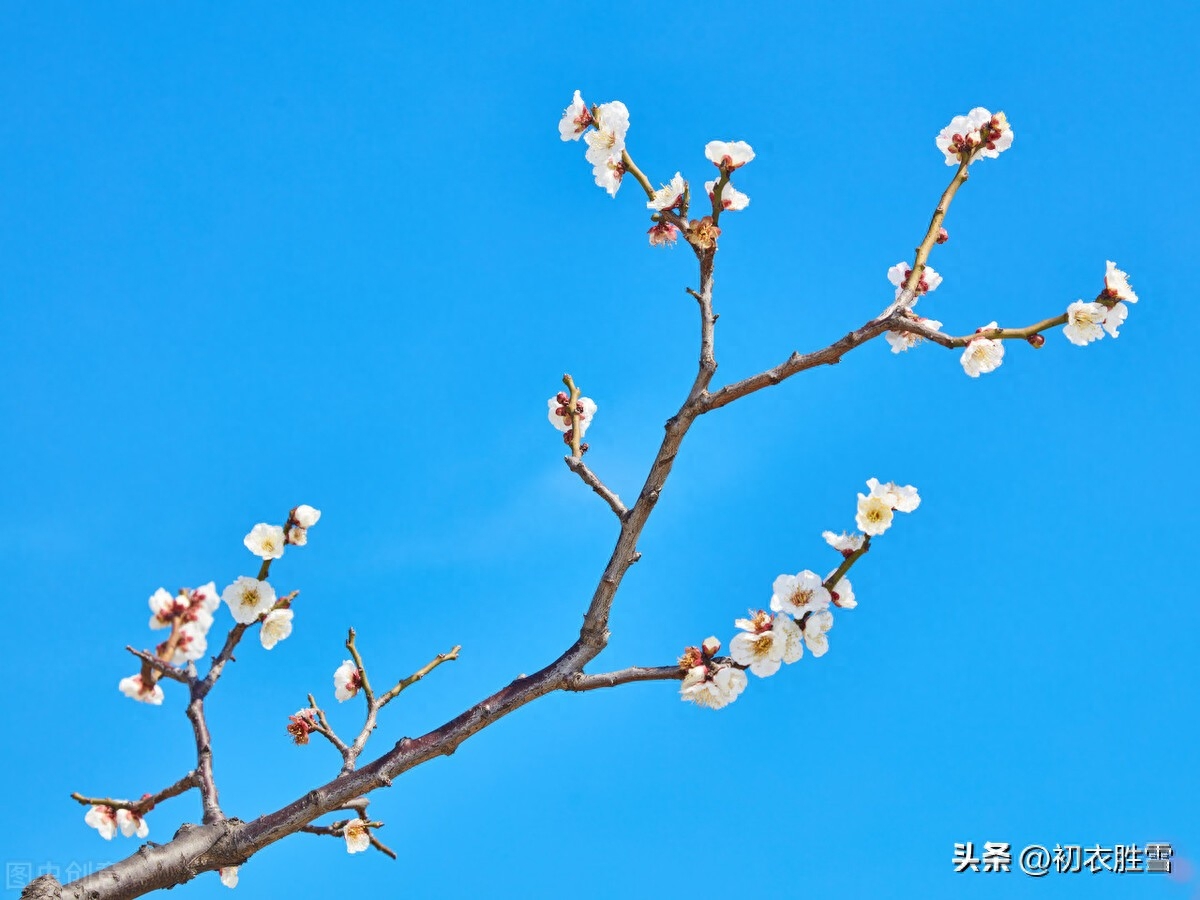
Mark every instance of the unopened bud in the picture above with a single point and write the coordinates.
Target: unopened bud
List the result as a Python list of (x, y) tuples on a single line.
[(1036, 341), (710, 647), (943, 236), (562, 397)]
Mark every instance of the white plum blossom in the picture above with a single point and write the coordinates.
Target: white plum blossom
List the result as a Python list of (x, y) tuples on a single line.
[(1085, 322), (799, 593), (842, 593), (815, 630), (346, 681), (229, 876), (982, 355), (728, 154), (162, 609), (843, 543), (929, 281), (131, 823), (357, 836), (103, 819), (248, 598), (606, 144), (608, 174), (906, 340), (135, 688), (1115, 318), (576, 119), (765, 642), (560, 418), (275, 627), (902, 499), (669, 195), (207, 597), (265, 541), (297, 535), (712, 690), (977, 134), (731, 198), (191, 643), (874, 514), (305, 516), (1116, 284)]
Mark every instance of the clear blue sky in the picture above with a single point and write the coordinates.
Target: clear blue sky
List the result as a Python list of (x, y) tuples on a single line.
[(252, 257)]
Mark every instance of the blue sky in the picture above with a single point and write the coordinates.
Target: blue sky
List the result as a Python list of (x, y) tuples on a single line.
[(257, 257)]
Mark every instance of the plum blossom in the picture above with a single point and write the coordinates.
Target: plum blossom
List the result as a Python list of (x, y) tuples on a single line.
[(1115, 318), (799, 593), (275, 627), (358, 838), (305, 516), (103, 819), (982, 355), (162, 609), (576, 119), (135, 688), (560, 418), (1085, 322), (765, 642), (190, 645), (728, 154), (898, 274), (906, 340), (248, 598), (874, 515), (842, 593), (975, 135), (902, 499), (1116, 284), (608, 174), (229, 876), (299, 725), (815, 630), (346, 680), (663, 234), (844, 543), (265, 541), (670, 195), (731, 198), (712, 690), (131, 823)]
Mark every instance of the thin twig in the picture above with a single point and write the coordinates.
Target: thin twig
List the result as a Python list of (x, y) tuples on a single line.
[(147, 803), (579, 467)]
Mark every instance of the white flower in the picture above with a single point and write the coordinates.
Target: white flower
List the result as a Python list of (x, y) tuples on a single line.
[(1115, 318), (731, 198), (799, 593), (814, 632), (191, 643), (275, 627), (729, 154), (761, 643), (162, 609), (842, 592), (906, 340), (844, 543), (305, 516), (930, 279), (134, 688), (130, 824), (248, 598), (103, 819), (977, 134), (265, 541), (713, 690), (903, 499), (874, 515), (346, 681), (608, 173), (229, 876), (575, 119), (982, 355), (669, 195), (1085, 322), (207, 597), (297, 535), (560, 418), (357, 836), (608, 140), (1116, 284)]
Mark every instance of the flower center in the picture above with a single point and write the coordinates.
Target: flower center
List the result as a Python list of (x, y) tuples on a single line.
[(763, 643), (801, 596)]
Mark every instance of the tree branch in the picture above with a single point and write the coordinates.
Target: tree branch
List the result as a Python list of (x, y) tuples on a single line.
[(584, 682), (147, 803), (579, 467)]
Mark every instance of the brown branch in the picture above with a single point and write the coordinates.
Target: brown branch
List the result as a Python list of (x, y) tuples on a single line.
[(579, 467), (931, 234), (913, 326), (144, 805), (324, 729), (847, 563), (416, 676), (585, 682), (572, 404), (162, 667)]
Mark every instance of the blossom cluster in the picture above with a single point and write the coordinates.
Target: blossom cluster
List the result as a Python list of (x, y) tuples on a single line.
[(801, 614), (189, 613), (560, 415), (1087, 322), (108, 821), (976, 135), (603, 129)]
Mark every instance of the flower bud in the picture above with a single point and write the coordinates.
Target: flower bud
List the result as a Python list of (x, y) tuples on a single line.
[(943, 236), (1036, 341)]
